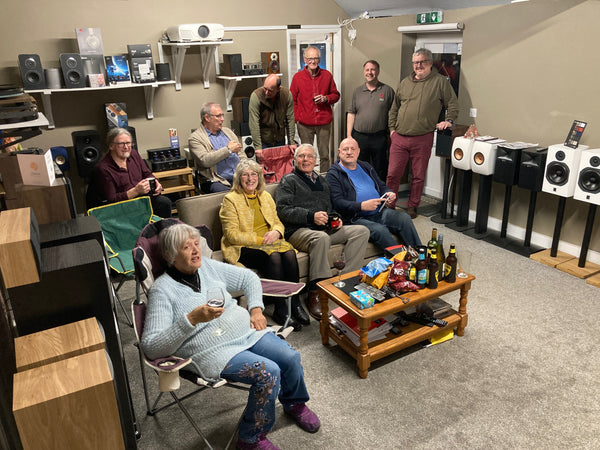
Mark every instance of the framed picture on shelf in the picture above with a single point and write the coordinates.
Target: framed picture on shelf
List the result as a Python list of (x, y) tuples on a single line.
[(117, 69)]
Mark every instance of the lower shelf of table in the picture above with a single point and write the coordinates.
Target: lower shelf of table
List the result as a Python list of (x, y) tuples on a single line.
[(411, 334)]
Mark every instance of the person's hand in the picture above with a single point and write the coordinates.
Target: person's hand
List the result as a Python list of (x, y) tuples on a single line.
[(259, 154), (371, 205), (320, 99), (391, 199), (293, 147), (158, 189), (341, 223), (234, 146), (443, 125), (392, 133), (321, 218), (257, 319), (142, 188), (204, 313), (270, 237)]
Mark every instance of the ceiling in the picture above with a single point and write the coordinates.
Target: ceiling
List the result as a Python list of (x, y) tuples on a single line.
[(379, 8)]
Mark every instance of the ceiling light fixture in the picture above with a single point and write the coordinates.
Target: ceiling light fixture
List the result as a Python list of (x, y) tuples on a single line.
[(347, 23)]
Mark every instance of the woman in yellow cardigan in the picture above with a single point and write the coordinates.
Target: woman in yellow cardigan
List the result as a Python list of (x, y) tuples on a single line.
[(253, 236)]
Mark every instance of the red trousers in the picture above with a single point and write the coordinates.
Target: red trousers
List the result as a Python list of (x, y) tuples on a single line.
[(417, 149)]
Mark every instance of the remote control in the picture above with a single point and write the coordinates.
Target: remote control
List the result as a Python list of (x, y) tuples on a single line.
[(372, 291), (439, 322)]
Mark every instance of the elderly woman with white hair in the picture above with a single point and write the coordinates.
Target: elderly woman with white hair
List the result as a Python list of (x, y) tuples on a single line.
[(224, 342)]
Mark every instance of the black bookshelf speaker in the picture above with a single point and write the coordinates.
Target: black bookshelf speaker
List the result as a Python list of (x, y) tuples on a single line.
[(32, 72), (506, 170), (72, 68), (162, 72), (87, 145), (232, 64), (531, 169)]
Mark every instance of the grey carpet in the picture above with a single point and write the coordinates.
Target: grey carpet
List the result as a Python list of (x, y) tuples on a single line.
[(525, 375)]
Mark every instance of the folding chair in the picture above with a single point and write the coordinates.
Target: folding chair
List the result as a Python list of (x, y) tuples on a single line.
[(121, 225), (276, 162)]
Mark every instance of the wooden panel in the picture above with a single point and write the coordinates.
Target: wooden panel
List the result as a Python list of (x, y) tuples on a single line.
[(68, 404), (545, 258), (50, 203), (17, 259), (56, 344)]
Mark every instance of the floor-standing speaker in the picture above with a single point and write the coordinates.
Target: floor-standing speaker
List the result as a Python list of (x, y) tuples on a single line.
[(32, 72), (74, 285), (72, 68), (88, 152)]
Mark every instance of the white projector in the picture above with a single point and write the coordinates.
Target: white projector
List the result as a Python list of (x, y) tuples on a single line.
[(195, 32)]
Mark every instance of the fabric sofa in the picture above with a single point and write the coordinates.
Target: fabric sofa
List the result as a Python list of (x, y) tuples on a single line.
[(204, 210)]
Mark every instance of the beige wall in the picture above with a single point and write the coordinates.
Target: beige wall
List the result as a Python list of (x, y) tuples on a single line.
[(529, 68)]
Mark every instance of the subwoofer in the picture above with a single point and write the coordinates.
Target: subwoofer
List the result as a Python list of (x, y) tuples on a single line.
[(248, 146), (562, 164), (531, 169), (88, 152), (72, 68), (587, 188), (461, 153), (483, 156), (270, 62), (32, 72)]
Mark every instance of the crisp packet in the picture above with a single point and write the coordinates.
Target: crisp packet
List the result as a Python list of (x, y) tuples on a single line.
[(398, 279), (361, 299), (375, 267)]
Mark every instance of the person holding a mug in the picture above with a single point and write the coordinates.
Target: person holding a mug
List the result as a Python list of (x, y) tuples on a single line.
[(122, 174)]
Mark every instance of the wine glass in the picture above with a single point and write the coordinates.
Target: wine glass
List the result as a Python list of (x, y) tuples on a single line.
[(315, 101), (216, 299), (339, 265)]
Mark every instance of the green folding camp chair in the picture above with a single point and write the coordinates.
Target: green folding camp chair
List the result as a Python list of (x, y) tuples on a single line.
[(121, 225)]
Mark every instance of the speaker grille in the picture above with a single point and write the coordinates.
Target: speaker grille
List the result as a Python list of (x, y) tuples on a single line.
[(557, 173)]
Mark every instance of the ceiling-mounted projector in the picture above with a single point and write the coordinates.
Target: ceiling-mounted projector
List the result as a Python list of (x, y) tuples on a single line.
[(194, 32)]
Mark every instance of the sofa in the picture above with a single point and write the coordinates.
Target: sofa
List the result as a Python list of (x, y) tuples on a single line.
[(204, 210)]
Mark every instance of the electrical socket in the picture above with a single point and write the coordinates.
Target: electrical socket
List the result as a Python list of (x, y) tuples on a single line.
[(473, 112)]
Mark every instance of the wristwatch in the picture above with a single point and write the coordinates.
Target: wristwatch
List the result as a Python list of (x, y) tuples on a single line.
[(451, 121)]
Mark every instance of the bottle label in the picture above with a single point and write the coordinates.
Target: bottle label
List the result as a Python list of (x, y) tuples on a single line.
[(422, 276)]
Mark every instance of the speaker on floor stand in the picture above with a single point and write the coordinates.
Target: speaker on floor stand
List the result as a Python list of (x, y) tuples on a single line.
[(461, 161), (443, 149), (483, 162)]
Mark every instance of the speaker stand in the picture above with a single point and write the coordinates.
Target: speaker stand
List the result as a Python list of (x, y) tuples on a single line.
[(583, 269), (465, 181), (526, 249), (442, 217), (483, 208)]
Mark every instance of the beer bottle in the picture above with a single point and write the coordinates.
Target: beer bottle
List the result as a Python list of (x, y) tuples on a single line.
[(450, 266), (421, 268), (433, 242), (432, 268), (441, 256)]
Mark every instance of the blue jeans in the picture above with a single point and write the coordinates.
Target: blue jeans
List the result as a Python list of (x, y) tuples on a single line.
[(273, 369), (383, 224)]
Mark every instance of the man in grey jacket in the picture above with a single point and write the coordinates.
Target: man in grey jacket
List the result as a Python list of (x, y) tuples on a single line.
[(216, 150)]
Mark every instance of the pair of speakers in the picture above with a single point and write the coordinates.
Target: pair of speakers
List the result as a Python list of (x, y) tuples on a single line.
[(32, 72), (478, 156), (573, 172)]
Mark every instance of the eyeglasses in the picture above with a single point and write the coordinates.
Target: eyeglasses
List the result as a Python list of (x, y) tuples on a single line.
[(249, 175), (218, 116), (313, 59), (417, 63), (306, 156), (123, 144)]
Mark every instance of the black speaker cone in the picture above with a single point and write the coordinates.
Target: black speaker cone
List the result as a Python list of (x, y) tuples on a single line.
[(557, 173), (90, 154), (589, 180)]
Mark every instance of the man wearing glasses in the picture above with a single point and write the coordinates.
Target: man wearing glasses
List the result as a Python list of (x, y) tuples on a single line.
[(271, 115), (216, 150), (314, 92), (122, 175), (413, 117)]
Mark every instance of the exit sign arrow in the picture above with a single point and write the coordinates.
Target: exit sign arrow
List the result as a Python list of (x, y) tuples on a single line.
[(430, 17)]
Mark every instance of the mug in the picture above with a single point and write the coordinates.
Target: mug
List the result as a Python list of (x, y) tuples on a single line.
[(152, 183)]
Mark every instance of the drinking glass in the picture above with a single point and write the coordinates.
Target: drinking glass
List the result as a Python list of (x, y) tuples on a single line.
[(339, 265), (315, 102), (464, 264), (216, 299)]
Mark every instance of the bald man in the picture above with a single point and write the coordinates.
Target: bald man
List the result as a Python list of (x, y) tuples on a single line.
[(271, 115), (359, 195)]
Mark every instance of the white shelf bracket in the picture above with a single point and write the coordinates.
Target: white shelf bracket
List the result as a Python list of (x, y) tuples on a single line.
[(47, 102), (230, 85), (149, 95), (208, 61), (179, 58)]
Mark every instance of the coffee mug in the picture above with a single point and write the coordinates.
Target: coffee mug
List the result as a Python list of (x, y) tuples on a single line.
[(152, 183), (334, 221)]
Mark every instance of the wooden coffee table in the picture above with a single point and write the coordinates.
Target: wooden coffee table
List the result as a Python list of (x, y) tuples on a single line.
[(410, 335)]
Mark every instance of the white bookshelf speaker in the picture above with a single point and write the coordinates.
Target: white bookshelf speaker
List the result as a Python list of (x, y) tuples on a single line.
[(248, 146), (461, 153), (562, 164), (483, 156), (587, 188)]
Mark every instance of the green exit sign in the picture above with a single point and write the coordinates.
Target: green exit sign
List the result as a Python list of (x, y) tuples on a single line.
[(430, 17)]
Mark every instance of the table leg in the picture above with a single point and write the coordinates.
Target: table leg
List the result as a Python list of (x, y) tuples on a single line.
[(324, 318), (462, 309), (363, 358)]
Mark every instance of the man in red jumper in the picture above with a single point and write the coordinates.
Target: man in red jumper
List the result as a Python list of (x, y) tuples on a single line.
[(314, 91)]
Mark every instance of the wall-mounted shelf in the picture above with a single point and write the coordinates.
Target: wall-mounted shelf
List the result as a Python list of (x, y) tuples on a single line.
[(149, 89), (207, 54), (41, 121), (231, 84)]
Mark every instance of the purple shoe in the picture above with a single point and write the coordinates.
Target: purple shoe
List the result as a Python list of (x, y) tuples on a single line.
[(262, 444), (304, 417)]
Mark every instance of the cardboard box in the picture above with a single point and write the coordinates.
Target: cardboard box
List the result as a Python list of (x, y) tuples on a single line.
[(37, 170)]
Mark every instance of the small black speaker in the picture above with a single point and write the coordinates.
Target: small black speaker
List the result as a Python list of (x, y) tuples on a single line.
[(232, 64), (531, 169), (87, 145), (162, 72), (508, 160), (72, 68), (61, 158), (32, 72), (445, 139)]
